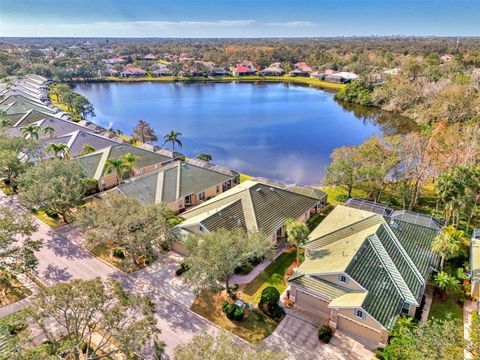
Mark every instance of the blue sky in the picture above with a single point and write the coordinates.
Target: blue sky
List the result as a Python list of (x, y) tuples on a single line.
[(236, 18)]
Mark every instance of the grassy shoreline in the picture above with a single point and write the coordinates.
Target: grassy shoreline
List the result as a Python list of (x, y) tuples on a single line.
[(322, 85)]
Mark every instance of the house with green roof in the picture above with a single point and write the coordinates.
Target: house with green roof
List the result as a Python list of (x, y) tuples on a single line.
[(94, 164), (363, 269), (180, 184), (475, 265), (253, 205)]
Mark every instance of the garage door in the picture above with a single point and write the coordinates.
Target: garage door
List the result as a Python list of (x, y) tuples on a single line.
[(358, 331), (303, 299)]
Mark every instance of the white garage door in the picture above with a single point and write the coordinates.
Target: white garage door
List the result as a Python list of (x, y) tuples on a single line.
[(358, 331), (304, 299)]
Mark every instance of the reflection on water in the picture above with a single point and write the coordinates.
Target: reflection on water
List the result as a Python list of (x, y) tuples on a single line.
[(275, 130)]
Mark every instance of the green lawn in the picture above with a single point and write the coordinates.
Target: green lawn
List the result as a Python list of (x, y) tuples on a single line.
[(341, 191), (244, 177), (441, 308), (54, 223), (12, 291), (273, 275), (254, 327)]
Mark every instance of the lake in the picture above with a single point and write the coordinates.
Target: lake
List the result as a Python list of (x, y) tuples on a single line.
[(279, 131)]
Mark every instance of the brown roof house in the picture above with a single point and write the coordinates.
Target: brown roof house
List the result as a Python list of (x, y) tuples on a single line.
[(252, 205)]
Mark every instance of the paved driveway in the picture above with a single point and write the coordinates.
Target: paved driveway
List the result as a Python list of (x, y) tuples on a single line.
[(299, 329), (161, 276)]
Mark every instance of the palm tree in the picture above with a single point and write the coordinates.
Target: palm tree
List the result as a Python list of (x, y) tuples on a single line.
[(448, 284), (57, 149), (205, 157), (31, 130), (48, 130), (297, 234), (87, 149), (449, 244), (117, 166), (172, 137), (129, 161)]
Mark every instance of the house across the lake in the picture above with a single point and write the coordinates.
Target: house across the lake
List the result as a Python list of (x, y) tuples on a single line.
[(366, 264), (94, 164), (301, 69), (161, 72), (273, 70), (131, 71), (243, 71), (475, 266), (180, 184), (253, 205)]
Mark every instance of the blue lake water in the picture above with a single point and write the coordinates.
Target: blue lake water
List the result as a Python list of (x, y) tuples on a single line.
[(274, 130)]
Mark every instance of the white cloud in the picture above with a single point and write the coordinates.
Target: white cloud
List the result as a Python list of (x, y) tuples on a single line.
[(292, 24)]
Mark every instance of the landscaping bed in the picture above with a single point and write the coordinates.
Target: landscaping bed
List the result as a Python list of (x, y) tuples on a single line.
[(441, 307), (105, 253), (254, 327), (12, 291), (273, 275)]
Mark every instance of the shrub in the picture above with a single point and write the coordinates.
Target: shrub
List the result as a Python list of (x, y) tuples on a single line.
[(183, 267), (273, 311), (229, 310), (238, 313), (325, 333), (118, 253), (223, 304), (164, 246), (341, 198), (270, 296), (52, 214)]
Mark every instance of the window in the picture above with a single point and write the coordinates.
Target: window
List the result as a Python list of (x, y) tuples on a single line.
[(343, 279), (405, 308), (218, 189), (201, 196), (359, 313), (188, 200)]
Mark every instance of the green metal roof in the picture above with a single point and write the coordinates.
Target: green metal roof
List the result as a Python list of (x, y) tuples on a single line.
[(171, 182), (94, 163), (320, 286), (391, 259), (263, 207)]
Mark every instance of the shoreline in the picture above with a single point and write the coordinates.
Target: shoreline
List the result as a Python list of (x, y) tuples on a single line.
[(316, 83)]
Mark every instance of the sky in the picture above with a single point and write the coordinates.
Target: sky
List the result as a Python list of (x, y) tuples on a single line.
[(236, 18)]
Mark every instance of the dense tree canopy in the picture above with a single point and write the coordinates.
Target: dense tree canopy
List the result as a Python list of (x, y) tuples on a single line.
[(56, 184), (214, 256)]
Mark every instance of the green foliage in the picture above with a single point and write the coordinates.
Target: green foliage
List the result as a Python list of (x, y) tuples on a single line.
[(82, 307), (450, 243), (87, 149), (325, 333), (356, 92), (446, 283), (56, 185), (214, 256), (205, 157), (270, 296), (297, 234), (233, 311), (434, 340), (173, 137), (222, 347), (128, 224), (474, 343)]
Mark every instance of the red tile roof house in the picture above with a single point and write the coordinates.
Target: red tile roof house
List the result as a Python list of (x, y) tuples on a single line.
[(133, 72), (244, 69), (301, 69), (248, 64)]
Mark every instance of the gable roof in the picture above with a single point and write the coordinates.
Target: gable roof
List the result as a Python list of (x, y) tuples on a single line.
[(77, 139), (257, 205), (172, 182), (390, 258), (94, 164), (21, 104)]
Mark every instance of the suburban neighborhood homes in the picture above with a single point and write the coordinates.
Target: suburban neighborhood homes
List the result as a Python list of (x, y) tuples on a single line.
[(475, 266), (130, 71), (253, 205), (273, 70), (363, 268), (95, 164), (246, 68), (301, 69), (180, 184)]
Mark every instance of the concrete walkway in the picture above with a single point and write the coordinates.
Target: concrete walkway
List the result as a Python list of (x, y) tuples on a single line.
[(245, 279), (427, 305), (468, 308)]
